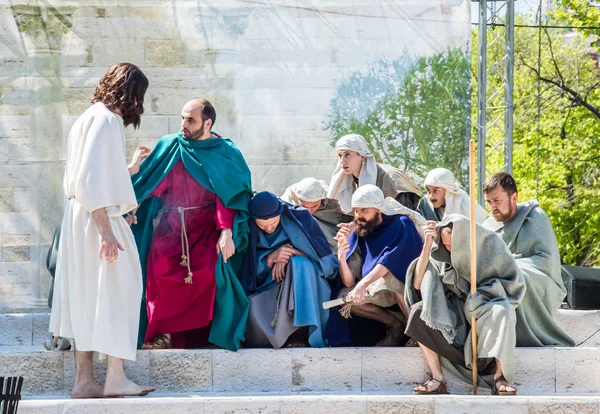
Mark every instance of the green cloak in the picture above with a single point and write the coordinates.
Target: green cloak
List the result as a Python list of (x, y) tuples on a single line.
[(219, 166)]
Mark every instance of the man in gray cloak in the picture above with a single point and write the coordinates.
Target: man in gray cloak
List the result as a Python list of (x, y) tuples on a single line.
[(528, 233), (438, 292)]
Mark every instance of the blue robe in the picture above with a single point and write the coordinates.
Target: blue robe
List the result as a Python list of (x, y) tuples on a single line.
[(395, 243), (306, 278)]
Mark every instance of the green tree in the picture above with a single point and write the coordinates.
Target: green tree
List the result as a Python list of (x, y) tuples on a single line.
[(412, 111), (559, 166)]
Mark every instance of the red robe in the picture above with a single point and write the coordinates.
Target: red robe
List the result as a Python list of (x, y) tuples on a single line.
[(173, 305)]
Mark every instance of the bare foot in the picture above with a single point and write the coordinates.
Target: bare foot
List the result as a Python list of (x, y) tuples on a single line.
[(87, 390), (124, 387)]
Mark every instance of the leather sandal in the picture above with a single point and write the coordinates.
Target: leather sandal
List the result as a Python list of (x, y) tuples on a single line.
[(496, 388), (161, 341), (441, 389)]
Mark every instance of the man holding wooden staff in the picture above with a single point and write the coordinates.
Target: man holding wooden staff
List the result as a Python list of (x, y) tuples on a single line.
[(441, 306)]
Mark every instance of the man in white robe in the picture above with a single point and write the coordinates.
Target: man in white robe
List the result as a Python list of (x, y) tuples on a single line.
[(445, 196), (98, 286), (357, 166)]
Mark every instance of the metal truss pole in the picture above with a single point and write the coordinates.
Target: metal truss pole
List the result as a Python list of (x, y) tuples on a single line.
[(495, 99)]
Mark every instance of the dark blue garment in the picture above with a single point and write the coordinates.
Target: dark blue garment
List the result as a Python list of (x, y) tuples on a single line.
[(395, 243), (304, 220)]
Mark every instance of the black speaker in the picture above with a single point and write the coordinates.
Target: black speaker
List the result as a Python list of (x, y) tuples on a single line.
[(583, 287)]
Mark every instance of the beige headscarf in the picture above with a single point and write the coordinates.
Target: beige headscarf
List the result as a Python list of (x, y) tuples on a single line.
[(308, 189), (457, 200), (371, 196), (342, 185)]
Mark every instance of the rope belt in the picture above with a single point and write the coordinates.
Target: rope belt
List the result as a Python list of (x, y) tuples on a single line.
[(185, 243)]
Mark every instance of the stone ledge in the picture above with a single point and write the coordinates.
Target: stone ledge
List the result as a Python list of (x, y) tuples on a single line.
[(540, 371), (287, 404)]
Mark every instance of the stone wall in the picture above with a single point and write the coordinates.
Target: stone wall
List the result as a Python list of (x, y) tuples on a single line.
[(269, 70)]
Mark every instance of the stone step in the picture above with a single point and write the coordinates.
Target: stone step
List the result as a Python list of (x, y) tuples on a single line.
[(32, 329), (540, 371), (347, 404)]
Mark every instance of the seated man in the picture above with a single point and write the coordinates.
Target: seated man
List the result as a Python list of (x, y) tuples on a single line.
[(311, 194), (357, 166), (285, 271), (528, 233), (445, 196), (373, 261), (438, 287)]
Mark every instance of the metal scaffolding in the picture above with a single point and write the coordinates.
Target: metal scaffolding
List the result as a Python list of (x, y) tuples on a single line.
[(495, 101)]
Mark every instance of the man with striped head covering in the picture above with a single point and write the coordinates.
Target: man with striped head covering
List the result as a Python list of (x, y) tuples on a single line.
[(445, 196), (311, 194), (374, 257), (357, 166)]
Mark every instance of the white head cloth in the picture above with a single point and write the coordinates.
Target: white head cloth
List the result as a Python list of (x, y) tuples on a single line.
[(308, 189), (457, 200), (342, 185), (371, 196)]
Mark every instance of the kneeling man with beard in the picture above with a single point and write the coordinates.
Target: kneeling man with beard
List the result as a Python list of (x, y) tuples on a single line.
[(374, 257)]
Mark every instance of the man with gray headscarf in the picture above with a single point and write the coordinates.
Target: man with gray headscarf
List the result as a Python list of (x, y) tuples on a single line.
[(373, 259), (528, 233), (311, 194), (445, 196), (357, 166), (438, 287)]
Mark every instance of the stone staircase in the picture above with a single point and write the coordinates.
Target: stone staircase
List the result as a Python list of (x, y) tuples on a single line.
[(361, 380)]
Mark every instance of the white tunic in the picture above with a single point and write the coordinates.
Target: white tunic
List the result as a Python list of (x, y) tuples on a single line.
[(95, 302)]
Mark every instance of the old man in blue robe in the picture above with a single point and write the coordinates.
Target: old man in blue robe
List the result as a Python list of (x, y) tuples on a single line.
[(285, 275)]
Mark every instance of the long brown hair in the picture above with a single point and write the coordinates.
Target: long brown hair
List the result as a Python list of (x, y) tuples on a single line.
[(123, 87)]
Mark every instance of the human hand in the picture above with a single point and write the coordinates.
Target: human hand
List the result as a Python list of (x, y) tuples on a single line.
[(278, 271), (225, 245), (109, 248), (281, 255), (343, 249), (359, 293), (140, 154), (344, 231), (429, 232)]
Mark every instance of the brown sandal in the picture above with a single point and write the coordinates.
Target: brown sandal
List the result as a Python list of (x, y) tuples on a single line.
[(496, 388), (441, 389), (161, 341)]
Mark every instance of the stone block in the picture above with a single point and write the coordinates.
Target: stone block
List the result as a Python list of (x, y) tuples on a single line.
[(42, 372), (14, 272), (536, 371), (165, 101), (41, 323), (22, 200), (6, 293), (15, 329), (121, 50), (164, 52), (16, 248), (326, 369), (246, 405), (324, 404), (137, 371), (577, 370), (15, 176), (6, 200), (252, 370), (14, 127), (15, 223), (21, 289), (543, 405), (400, 405), (402, 372), (181, 370), (132, 405), (103, 28), (39, 407), (468, 405), (77, 100), (580, 324)]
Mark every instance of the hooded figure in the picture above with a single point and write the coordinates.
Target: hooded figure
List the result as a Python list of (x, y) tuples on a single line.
[(285, 275)]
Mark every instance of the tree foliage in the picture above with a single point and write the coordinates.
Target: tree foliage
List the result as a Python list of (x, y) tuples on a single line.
[(412, 111)]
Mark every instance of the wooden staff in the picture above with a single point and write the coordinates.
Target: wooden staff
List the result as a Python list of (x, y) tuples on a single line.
[(473, 257)]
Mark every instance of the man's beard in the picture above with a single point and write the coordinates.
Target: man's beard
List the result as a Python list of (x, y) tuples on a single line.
[(505, 217), (363, 228), (195, 136)]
